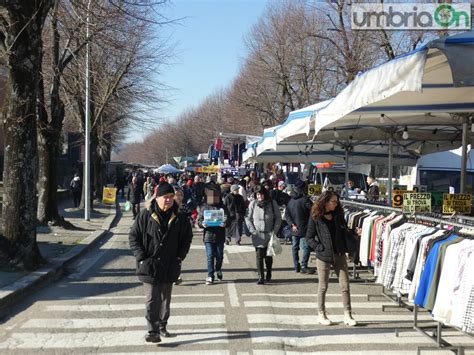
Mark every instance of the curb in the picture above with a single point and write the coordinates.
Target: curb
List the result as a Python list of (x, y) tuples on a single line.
[(15, 292)]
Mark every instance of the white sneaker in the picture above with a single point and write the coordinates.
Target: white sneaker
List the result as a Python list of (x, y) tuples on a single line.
[(209, 281), (348, 320), (323, 319)]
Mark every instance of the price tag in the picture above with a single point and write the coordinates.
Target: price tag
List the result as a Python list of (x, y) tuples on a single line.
[(335, 188), (400, 187), (420, 188), (397, 197), (416, 202), (457, 203), (314, 189)]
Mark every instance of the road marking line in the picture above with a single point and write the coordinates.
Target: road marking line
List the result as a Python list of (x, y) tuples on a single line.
[(336, 352), (233, 295), (128, 307), (298, 295), (100, 340), (97, 323), (194, 295), (285, 319), (300, 338), (192, 352), (311, 305)]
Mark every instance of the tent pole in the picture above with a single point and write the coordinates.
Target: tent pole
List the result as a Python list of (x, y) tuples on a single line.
[(390, 173), (464, 157), (347, 167)]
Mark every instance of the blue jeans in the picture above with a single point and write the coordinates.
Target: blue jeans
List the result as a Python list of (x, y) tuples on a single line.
[(296, 243), (215, 256)]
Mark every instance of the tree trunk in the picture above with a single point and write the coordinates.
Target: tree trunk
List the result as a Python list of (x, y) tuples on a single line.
[(47, 180), (22, 36), (49, 136)]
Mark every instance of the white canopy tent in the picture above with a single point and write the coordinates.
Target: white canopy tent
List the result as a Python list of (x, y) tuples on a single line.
[(298, 122), (430, 89), (425, 86), (422, 98), (167, 169)]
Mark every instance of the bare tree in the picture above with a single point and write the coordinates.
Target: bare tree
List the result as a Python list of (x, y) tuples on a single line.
[(21, 24), (123, 93)]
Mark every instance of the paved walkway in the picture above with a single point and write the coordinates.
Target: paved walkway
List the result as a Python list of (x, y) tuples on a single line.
[(58, 246)]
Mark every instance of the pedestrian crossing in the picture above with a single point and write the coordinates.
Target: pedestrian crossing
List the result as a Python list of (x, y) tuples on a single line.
[(261, 323)]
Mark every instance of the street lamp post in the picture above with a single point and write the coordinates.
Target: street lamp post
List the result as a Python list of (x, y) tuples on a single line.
[(87, 171)]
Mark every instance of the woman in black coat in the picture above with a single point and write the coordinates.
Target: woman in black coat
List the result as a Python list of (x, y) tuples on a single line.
[(327, 234), (134, 195)]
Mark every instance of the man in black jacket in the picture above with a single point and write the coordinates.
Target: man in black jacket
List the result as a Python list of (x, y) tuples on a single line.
[(160, 239), (297, 214), (134, 195), (236, 205)]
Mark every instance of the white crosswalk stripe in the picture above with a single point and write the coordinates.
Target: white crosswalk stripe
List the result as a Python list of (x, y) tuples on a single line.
[(271, 326), (300, 339), (287, 319), (98, 323), (310, 305), (101, 339), (128, 307)]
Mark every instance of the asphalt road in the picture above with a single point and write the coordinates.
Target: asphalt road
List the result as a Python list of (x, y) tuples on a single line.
[(99, 308)]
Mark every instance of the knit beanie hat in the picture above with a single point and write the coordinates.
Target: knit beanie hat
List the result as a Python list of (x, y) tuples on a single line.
[(163, 189), (234, 188), (262, 190)]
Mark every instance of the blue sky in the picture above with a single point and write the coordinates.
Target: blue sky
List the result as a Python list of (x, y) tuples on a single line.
[(209, 49)]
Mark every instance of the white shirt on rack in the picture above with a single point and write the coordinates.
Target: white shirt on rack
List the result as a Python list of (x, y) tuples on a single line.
[(444, 306)]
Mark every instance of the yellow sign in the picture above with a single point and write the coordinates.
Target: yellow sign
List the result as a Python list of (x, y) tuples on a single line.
[(314, 189), (397, 197), (457, 203), (211, 169), (416, 202), (108, 195)]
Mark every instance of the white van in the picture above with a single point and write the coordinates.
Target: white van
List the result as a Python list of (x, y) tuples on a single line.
[(336, 178), (442, 170)]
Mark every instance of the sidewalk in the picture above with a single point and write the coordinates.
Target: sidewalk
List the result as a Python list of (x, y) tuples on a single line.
[(59, 246)]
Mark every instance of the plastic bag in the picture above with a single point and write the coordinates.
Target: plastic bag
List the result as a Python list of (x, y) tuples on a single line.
[(274, 246), (128, 206)]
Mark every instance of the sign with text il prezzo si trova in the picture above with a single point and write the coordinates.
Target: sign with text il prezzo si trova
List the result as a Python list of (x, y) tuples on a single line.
[(457, 203), (416, 202), (410, 16)]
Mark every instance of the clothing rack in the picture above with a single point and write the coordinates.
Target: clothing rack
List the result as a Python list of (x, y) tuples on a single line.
[(454, 221), (437, 336), (433, 333)]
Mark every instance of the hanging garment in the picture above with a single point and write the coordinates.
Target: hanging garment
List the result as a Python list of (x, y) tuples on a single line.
[(426, 279)]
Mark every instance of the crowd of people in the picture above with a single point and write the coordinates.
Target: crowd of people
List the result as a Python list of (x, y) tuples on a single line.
[(226, 209)]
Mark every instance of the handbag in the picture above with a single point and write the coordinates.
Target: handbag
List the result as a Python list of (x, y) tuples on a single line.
[(352, 241), (274, 246)]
